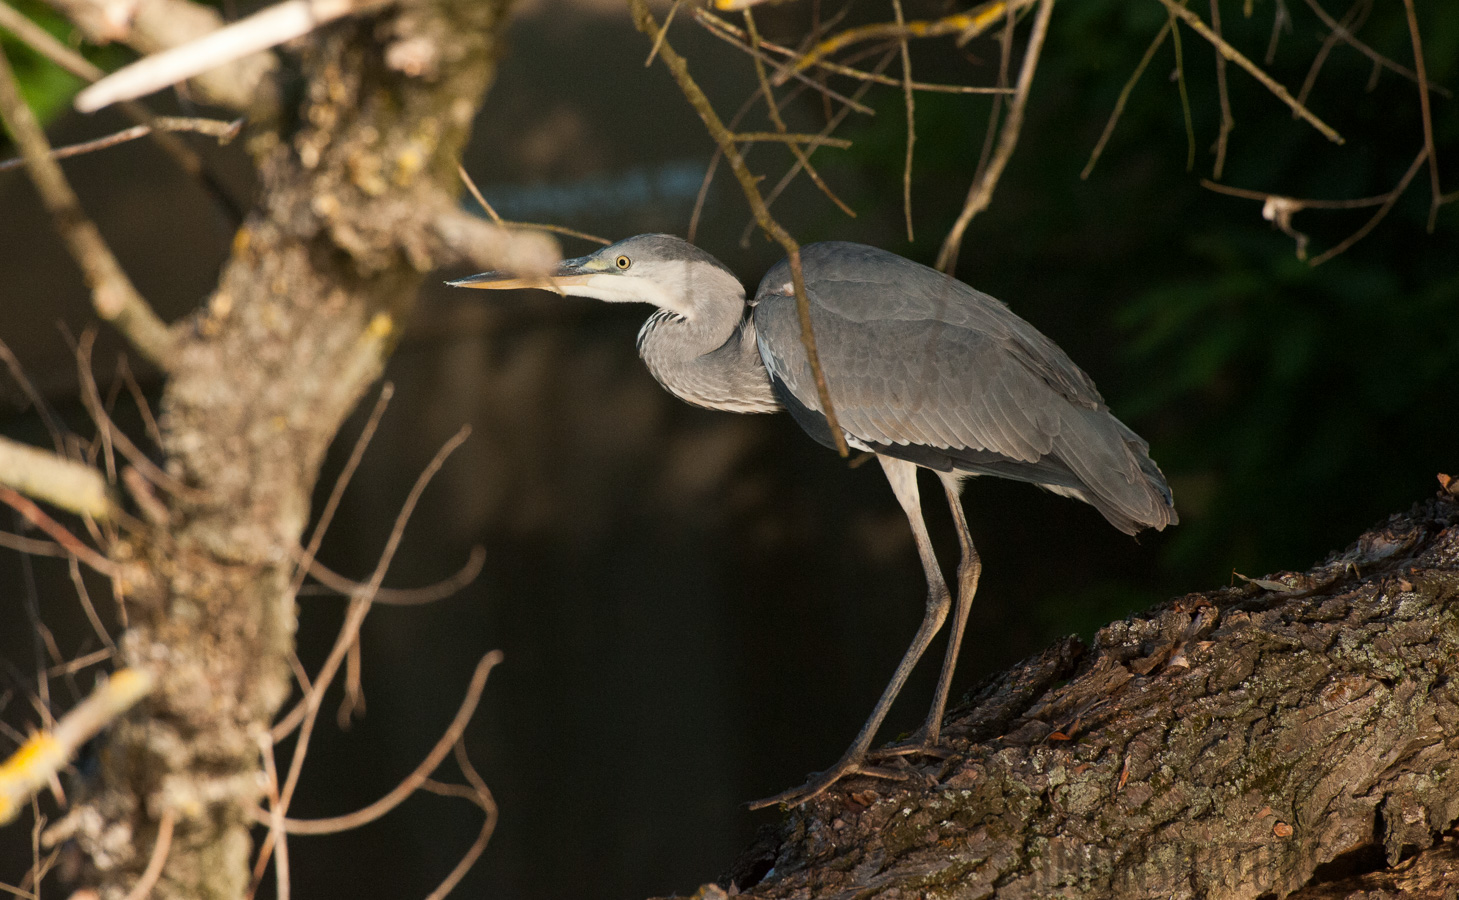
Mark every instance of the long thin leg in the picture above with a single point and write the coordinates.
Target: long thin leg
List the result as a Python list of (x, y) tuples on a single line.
[(968, 572), (903, 478)]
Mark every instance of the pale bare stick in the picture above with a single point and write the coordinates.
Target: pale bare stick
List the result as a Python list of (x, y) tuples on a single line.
[(46, 752), (223, 131), (447, 587), (1231, 53), (1280, 18), (31, 546), (1228, 122), (981, 192), (487, 803), (1123, 98), (153, 872), (261, 31), (1423, 102), (910, 102), (72, 486), (112, 293), (1377, 216), (412, 782), (336, 494), (767, 137)]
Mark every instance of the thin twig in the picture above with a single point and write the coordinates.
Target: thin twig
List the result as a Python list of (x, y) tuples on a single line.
[(86, 605), (73, 666), (34, 396), (1351, 20), (72, 544), (1231, 53), (31, 546), (737, 38), (531, 226), (412, 782), (981, 192), (223, 131), (1279, 18), (149, 422), (336, 494), (1185, 100), (1114, 116), (112, 293), (725, 29), (442, 589), (483, 799), (1423, 101), (1377, 216), (679, 68), (659, 41), (910, 102), (966, 25), (1343, 33), (814, 140), (274, 818), (772, 106), (1228, 122), (153, 872)]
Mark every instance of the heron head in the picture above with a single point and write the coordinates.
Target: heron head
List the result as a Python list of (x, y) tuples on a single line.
[(661, 269)]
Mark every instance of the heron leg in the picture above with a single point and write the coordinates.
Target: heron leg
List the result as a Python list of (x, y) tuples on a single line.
[(903, 478), (969, 570)]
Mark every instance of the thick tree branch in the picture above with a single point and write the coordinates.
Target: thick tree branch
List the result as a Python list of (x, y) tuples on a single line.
[(1226, 744)]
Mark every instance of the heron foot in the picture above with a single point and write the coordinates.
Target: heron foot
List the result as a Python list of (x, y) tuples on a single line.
[(847, 766)]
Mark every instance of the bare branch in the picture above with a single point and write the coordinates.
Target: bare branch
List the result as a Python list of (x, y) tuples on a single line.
[(1342, 32), (1185, 102), (1114, 116), (1227, 121), (1423, 101), (31, 767), (531, 226), (112, 293), (447, 587), (72, 486), (412, 782), (481, 796), (910, 102), (1377, 216), (160, 850), (679, 68), (212, 50), (464, 238), (966, 26), (1231, 53), (68, 541), (981, 192), (223, 131)]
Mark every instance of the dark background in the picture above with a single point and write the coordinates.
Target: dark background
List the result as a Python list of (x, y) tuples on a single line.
[(699, 608)]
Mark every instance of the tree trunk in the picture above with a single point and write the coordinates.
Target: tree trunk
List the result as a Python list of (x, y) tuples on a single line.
[(1297, 733), (353, 182)]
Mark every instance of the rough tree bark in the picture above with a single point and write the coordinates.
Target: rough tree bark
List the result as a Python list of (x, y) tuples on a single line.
[(1300, 733), (357, 202)]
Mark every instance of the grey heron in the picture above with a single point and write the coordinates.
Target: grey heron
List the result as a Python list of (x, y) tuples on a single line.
[(922, 370)]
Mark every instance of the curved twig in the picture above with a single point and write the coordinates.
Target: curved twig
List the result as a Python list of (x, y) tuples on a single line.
[(446, 587)]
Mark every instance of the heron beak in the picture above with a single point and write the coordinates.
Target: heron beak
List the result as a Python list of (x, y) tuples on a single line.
[(505, 281)]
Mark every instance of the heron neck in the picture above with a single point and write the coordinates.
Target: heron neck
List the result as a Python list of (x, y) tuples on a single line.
[(710, 361)]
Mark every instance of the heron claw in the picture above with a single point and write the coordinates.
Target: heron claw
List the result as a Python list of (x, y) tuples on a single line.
[(852, 765)]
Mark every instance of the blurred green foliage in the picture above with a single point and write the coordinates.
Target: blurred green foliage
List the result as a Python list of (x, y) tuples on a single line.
[(1290, 405), (47, 87)]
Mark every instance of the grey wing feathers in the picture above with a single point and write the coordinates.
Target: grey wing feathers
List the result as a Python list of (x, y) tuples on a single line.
[(923, 367)]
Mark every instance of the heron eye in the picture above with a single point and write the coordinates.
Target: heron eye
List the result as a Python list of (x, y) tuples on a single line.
[(623, 262)]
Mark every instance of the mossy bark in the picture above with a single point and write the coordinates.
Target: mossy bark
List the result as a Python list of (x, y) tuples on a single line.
[(352, 178), (1301, 734)]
